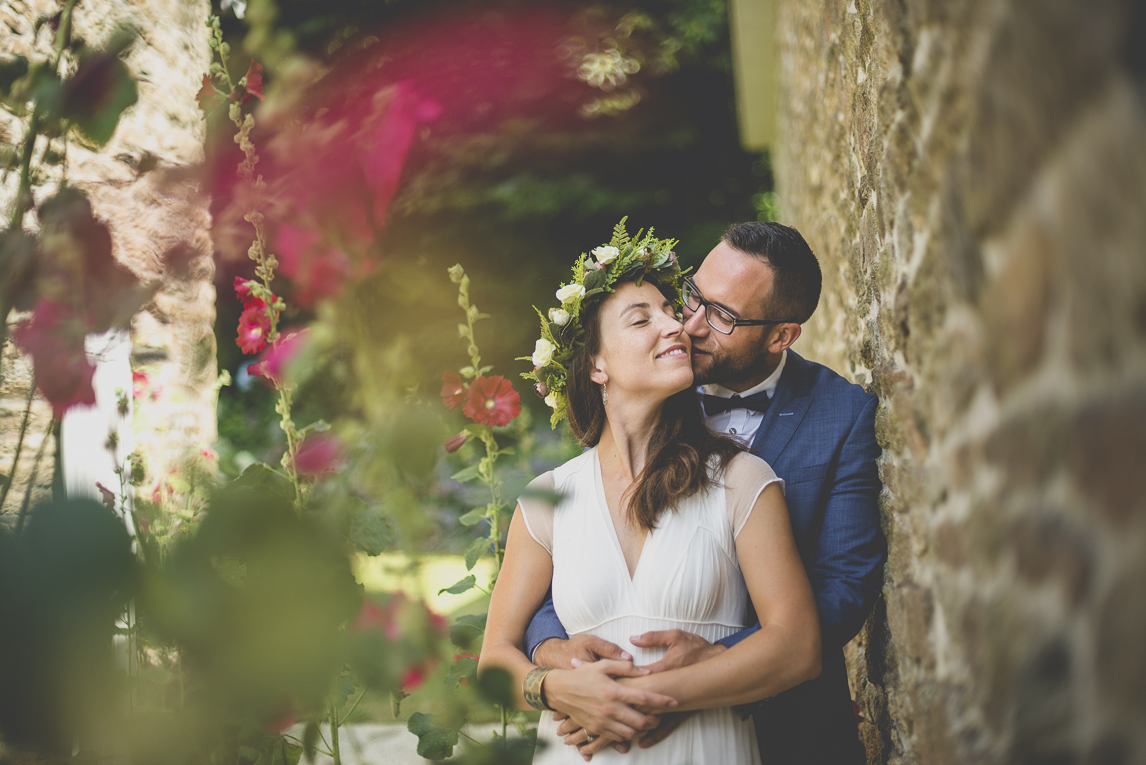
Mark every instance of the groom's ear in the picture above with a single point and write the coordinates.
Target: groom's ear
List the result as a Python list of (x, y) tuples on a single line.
[(783, 336)]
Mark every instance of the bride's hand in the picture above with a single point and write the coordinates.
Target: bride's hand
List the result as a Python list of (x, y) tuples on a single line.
[(593, 699)]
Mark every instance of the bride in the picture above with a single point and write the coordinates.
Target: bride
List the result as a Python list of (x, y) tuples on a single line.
[(658, 524)]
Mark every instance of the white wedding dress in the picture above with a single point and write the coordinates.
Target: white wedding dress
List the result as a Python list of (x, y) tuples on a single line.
[(687, 578)]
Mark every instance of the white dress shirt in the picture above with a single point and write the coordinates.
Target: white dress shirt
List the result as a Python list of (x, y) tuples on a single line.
[(742, 424)]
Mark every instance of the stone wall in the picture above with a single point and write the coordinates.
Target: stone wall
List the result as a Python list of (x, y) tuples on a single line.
[(158, 221), (972, 174)]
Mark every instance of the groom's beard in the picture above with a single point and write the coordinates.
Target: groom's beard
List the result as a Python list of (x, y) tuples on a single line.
[(724, 368)]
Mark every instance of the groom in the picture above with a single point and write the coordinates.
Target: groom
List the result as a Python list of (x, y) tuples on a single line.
[(744, 308)]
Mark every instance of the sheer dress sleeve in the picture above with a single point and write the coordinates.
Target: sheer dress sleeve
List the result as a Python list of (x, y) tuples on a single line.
[(744, 480), (537, 510)]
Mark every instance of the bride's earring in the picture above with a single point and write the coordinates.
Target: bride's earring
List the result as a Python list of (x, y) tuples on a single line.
[(604, 394)]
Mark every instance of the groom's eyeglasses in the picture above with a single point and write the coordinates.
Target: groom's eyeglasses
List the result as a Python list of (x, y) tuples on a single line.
[(718, 318)]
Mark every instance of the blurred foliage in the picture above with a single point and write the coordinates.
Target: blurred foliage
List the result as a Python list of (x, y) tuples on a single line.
[(515, 199)]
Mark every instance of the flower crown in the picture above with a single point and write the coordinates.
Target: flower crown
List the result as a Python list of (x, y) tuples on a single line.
[(622, 259)]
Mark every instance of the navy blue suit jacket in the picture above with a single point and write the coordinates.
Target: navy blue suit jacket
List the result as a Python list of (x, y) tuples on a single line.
[(818, 434)]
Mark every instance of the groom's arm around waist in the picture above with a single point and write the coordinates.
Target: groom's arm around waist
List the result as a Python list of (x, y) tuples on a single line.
[(846, 562), (543, 626)]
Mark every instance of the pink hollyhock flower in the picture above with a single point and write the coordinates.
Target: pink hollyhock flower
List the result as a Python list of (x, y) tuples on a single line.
[(106, 495), (139, 383), (453, 390), (207, 453), (254, 326), (55, 340), (414, 677), (453, 443), (319, 453), (492, 401), (274, 363), (316, 269), (375, 618)]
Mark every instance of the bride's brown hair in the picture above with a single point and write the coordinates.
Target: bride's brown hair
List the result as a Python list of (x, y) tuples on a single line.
[(679, 450)]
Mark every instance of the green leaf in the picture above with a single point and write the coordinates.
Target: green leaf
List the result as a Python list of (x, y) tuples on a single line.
[(343, 689), (466, 475), (95, 96), (261, 477), (506, 450), (371, 531), (476, 549), (467, 630), (497, 685), (395, 703), (457, 588), (465, 668), (310, 740), (473, 517), (11, 69), (434, 741)]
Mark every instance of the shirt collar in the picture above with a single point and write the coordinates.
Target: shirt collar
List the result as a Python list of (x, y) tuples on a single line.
[(769, 384)]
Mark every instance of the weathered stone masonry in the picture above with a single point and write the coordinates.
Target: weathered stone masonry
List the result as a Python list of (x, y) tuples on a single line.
[(158, 221), (972, 174)]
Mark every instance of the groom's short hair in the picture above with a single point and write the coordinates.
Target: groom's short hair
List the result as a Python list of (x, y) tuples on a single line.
[(797, 281)]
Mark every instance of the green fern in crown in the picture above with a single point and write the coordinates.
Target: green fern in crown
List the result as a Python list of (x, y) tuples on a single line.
[(639, 258)]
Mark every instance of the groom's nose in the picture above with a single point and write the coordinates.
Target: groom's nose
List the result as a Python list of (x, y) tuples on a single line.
[(695, 325)]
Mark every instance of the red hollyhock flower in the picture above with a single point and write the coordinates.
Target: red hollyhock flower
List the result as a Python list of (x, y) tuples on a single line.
[(274, 363), (254, 78), (55, 340), (492, 401), (382, 619), (319, 453), (453, 390), (254, 326)]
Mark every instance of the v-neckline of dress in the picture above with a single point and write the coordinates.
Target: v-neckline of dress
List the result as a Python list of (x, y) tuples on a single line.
[(602, 502)]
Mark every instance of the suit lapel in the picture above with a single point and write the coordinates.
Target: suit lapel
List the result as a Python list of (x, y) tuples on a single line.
[(784, 415)]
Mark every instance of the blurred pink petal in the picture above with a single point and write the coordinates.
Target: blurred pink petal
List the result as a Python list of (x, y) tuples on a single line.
[(319, 453), (54, 338), (317, 269), (274, 363)]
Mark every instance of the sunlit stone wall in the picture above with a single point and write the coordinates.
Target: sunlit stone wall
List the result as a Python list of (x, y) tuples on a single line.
[(972, 175), (159, 225)]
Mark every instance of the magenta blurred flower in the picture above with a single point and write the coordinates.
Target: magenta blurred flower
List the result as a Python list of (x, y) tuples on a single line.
[(254, 326), (273, 364), (319, 453), (317, 269), (54, 338), (139, 383)]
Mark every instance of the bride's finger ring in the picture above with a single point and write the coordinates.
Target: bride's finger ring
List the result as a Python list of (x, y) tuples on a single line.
[(589, 737)]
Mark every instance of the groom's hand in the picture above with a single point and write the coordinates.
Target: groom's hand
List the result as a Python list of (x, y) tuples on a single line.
[(684, 648), (669, 723), (559, 654), (593, 699)]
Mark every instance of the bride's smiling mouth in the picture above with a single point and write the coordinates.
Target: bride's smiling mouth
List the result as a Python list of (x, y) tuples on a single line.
[(677, 351)]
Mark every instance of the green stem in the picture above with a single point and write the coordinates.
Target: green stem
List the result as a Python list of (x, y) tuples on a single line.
[(292, 439), (355, 705), (19, 442), (334, 735)]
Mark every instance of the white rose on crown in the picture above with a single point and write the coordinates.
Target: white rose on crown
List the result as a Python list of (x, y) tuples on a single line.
[(551, 400), (606, 254), (559, 316), (543, 352), (570, 293)]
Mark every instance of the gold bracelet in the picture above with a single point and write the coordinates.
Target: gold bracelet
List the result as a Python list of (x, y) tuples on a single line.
[(531, 688)]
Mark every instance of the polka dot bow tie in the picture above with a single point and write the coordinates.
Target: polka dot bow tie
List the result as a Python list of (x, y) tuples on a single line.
[(757, 402)]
